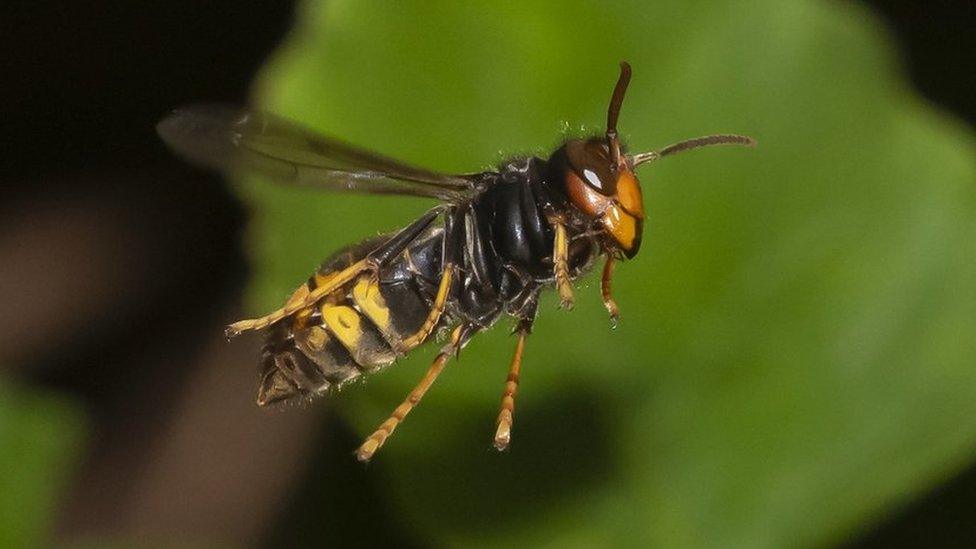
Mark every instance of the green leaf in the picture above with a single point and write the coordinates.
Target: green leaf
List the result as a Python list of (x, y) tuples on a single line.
[(795, 353), (40, 435)]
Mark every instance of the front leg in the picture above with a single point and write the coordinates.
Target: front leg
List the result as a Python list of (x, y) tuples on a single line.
[(560, 264), (608, 301)]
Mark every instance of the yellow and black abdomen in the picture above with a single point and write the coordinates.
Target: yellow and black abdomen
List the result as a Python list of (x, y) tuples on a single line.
[(357, 329)]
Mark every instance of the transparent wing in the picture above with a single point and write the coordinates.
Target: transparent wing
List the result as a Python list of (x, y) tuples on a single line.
[(231, 139)]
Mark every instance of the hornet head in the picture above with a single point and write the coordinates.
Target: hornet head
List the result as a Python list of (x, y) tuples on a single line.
[(598, 179)]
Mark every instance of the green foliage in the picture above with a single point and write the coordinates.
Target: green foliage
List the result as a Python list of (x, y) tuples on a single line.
[(39, 439), (795, 353)]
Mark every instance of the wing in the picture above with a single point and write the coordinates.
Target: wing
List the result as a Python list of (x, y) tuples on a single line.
[(230, 139)]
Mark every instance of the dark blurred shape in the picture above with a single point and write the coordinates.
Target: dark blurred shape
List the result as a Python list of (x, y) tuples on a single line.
[(937, 42), (121, 264), (337, 502), (943, 518), (60, 272), (534, 474)]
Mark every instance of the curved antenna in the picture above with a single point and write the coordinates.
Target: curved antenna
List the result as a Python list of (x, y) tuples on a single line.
[(613, 112), (688, 144)]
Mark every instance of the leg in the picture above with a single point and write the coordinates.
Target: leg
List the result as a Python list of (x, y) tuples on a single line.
[(434, 316), (503, 434), (608, 301), (560, 260), (376, 440), (451, 251), (295, 305), (390, 249)]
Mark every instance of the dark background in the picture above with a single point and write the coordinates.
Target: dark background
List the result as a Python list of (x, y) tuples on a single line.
[(91, 200)]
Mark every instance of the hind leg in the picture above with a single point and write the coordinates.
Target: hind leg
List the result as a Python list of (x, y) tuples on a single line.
[(376, 259), (376, 440)]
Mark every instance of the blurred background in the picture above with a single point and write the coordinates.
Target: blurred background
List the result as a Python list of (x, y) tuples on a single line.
[(795, 360)]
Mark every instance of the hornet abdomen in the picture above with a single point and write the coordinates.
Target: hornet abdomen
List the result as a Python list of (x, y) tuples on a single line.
[(357, 329)]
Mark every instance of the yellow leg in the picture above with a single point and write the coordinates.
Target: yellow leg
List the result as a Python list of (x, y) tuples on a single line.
[(503, 434), (561, 266), (608, 301), (295, 305), (443, 290), (376, 440)]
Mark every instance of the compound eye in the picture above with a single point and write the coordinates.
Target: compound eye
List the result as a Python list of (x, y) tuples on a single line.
[(591, 161)]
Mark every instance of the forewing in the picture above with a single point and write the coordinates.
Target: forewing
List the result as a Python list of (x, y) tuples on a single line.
[(232, 139)]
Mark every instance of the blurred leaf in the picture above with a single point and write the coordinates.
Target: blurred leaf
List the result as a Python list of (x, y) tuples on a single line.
[(39, 438), (795, 352)]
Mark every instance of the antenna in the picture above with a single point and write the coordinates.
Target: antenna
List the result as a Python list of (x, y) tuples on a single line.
[(688, 144), (613, 112)]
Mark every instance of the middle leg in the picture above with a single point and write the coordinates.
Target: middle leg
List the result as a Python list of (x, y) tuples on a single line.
[(451, 251)]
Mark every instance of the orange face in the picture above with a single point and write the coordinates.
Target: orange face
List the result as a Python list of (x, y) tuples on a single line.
[(610, 194)]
